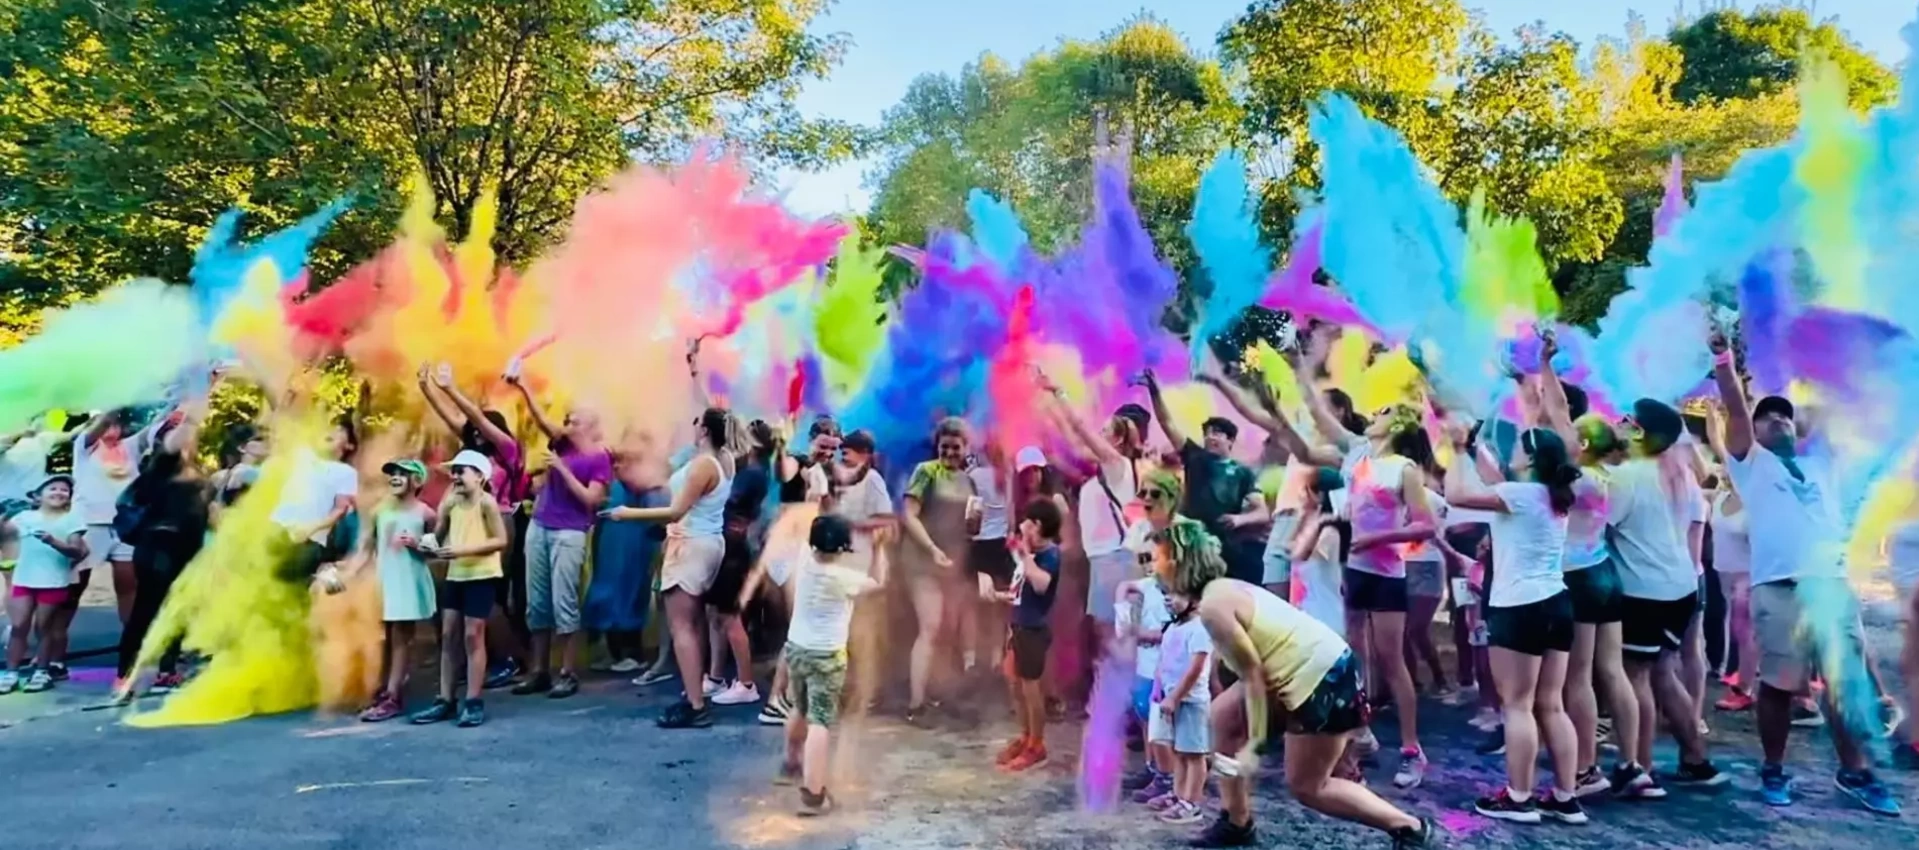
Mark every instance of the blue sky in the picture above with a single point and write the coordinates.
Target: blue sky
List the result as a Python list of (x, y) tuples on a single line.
[(897, 40)]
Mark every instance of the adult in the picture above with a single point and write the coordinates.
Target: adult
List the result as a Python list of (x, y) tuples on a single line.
[(1107, 501), (1659, 590), (106, 457), (1221, 492), (174, 505), (977, 617), (1732, 561), (865, 504), (1529, 617), (620, 596), (695, 545), (1291, 663), (726, 629), (578, 471), (317, 500), (804, 473), (1798, 565), (940, 504)]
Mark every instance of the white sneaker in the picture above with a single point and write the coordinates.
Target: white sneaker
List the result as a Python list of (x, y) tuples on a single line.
[(775, 711), (9, 681), (1364, 744), (41, 680), (1486, 720), (739, 693), (711, 686), (624, 665), (1412, 768)]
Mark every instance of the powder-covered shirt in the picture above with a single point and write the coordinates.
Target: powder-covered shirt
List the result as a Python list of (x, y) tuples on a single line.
[(557, 508)]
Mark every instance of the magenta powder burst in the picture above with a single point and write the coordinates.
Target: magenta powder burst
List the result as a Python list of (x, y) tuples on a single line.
[(1102, 754)]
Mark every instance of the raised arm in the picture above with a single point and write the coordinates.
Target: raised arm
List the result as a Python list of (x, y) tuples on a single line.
[(1738, 436), (433, 400), (1160, 411), (1552, 396), (1248, 408), (1330, 428), (540, 421), (470, 410), (1288, 436), (1086, 437), (1461, 490)]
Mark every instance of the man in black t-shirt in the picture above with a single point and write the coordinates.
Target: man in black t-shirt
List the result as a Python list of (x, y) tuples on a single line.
[(1220, 491)]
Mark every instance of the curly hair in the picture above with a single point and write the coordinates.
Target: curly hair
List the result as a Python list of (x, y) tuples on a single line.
[(1195, 555)]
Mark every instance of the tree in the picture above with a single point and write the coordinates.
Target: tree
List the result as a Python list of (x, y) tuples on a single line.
[(1729, 54), (126, 127)]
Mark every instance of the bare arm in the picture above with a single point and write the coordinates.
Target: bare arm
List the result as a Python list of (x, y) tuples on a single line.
[(540, 421), (1732, 396), (1083, 433), (1552, 398), (1419, 516), (1305, 542), (592, 495), (1246, 407), (74, 547), (1330, 428), (1187, 680), (1236, 647), (1288, 436), (1160, 412), (699, 481), (433, 400), (495, 534), (1463, 492), (476, 417)]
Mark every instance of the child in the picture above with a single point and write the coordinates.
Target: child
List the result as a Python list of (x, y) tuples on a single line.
[(1183, 694), (392, 543), (52, 540), (1036, 556), (1143, 621), (470, 537), (824, 587)]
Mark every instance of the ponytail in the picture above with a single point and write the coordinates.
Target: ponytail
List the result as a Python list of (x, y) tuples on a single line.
[(1552, 466)]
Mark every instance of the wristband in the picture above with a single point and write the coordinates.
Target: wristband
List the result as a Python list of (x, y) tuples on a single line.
[(1723, 358)]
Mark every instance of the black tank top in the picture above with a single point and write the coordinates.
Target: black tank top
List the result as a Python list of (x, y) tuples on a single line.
[(793, 490)]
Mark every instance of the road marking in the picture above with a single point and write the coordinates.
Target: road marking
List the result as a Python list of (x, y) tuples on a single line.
[(384, 783)]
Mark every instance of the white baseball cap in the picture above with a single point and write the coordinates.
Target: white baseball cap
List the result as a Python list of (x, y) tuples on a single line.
[(475, 460), (1029, 457)]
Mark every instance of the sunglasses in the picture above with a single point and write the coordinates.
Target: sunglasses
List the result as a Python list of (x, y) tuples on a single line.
[(1154, 494)]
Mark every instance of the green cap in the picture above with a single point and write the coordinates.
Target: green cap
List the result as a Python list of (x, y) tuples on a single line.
[(406, 466)]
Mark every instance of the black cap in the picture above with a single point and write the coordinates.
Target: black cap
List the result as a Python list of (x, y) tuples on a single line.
[(1773, 405), (1136, 413), (830, 534), (1661, 423)]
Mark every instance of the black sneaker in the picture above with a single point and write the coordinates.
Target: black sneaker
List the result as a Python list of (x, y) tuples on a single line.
[(1591, 781), (439, 712), (1139, 780), (919, 717), (1224, 833), (501, 676), (1632, 782), (1494, 745), (1502, 806), (472, 713), (537, 685), (1564, 811), (564, 686), (58, 672), (1701, 775), (788, 776), (813, 805), (1409, 838), (682, 715)]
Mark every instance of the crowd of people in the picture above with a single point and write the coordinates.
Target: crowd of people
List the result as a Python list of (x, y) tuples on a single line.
[(1298, 592)]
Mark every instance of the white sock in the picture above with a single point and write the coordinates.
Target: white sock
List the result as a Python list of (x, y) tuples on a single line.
[(1561, 796), (1518, 796)]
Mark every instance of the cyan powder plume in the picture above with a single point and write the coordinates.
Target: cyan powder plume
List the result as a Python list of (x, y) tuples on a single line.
[(1225, 233), (220, 267)]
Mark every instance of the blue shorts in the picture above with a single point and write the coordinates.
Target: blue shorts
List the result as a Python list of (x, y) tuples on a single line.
[(1142, 698)]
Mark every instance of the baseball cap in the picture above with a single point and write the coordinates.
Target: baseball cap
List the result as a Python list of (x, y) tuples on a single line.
[(1773, 405), (1659, 421), (1029, 457), (58, 476), (405, 466), (473, 459), (1136, 413)]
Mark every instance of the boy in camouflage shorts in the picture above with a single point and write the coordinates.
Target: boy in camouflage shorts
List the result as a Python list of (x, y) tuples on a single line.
[(823, 594)]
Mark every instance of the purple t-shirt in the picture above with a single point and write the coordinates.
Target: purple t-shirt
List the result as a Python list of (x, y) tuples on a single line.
[(556, 508)]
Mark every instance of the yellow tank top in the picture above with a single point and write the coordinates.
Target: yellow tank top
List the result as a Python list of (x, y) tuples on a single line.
[(466, 526), (1295, 651)]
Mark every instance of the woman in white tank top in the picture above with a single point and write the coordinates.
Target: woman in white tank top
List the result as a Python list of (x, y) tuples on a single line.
[(694, 545), (1732, 560)]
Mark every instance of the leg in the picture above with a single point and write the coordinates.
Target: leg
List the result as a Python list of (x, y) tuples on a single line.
[(1309, 776), (819, 749), (475, 634), (20, 612), (1035, 701), (1555, 728), (1189, 779), (1419, 637), (683, 617), (450, 653), (1581, 703), (539, 599), (569, 574), (1675, 705), (928, 604), (1738, 592), (126, 584), (734, 625), (1517, 676), (1639, 672), (1609, 678), (716, 645), (399, 639), (53, 646), (148, 597), (1228, 716), (1692, 666), (1388, 637)]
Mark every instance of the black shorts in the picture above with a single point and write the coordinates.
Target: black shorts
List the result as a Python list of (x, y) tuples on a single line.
[(992, 558), (1597, 597), (1337, 706), (1651, 627), (473, 599), (1535, 628), (302, 561), (1368, 592), (1029, 647), (736, 561)]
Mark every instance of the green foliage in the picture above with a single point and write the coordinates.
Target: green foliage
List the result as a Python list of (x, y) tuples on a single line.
[(126, 127), (1731, 54)]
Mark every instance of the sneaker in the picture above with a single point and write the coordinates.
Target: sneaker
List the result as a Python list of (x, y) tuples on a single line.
[(1704, 730), (538, 684), (564, 686), (166, 683), (58, 672), (1868, 790), (682, 715), (1564, 811), (1735, 700), (9, 681), (501, 676), (1701, 775), (775, 712), (1487, 720), (653, 677), (1420, 838), (1602, 731), (1412, 768), (1775, 787), (41, 680), (1181, 813), (710, 686), (1502, 806), (440, 711), (1011, 751), (386, 708), (1163, 801), (1034, 755), (739, 693), (472, 713), (1460, 696), (1591, 781), (1807, 716), (1135, 781), (919, 717), (1224, 833), (1632, 782), (1494, 744), (813, 805), (789, 774), (1161, 784), (1365, 744)]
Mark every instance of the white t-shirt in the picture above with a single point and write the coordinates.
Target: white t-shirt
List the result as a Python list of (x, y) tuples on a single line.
[(1650, 545), (823, 597), (1184, 640), (1427, 551), (1153, 615), (861, 502), (310, 493), (40, 566), (1101, 526), (992, 521), (1316, 587), (97, 484), (1793, 526), (1529, 545), (1731, 548)]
